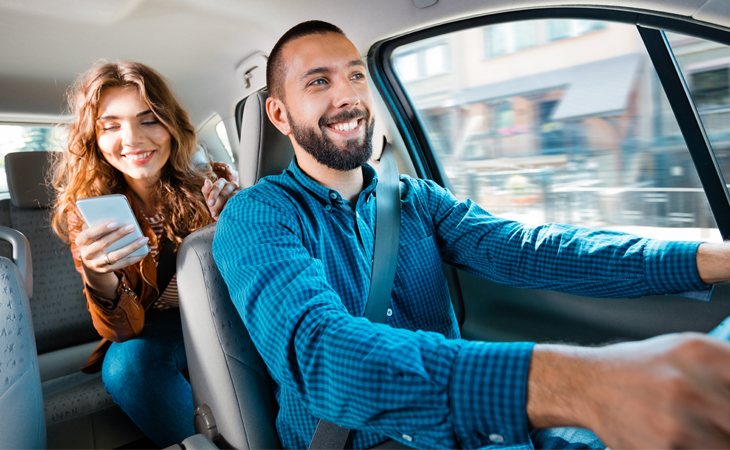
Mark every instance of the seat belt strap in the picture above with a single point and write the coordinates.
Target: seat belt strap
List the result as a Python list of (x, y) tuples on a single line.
[(329, 436), (387, 234)]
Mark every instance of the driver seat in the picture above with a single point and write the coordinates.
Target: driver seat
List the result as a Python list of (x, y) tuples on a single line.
[(232, 390)]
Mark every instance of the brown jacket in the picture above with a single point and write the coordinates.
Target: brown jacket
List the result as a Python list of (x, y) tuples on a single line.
[(120, 319), (117, 320)]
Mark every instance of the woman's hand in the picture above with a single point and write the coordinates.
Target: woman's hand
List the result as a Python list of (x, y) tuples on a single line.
[(217, 193), (92, 244), (98, 263)]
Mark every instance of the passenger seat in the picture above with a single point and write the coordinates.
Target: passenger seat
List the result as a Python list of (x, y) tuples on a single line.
[(79, 413)]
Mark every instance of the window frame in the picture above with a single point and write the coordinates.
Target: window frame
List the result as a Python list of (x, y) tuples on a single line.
[(650, 27)]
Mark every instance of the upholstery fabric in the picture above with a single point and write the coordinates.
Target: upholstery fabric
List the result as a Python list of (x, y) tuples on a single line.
[(72, 395), (58, 306), (226, 371), (27, 178), (260, 142), (20, 384)]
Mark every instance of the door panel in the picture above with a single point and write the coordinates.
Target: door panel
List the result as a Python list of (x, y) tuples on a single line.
[(500, 313)]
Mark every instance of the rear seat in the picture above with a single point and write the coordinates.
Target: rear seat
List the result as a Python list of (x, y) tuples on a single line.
[(21, 382), (79, 413)]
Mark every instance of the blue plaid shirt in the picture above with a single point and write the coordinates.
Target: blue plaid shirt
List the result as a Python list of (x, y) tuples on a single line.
[(297, 260)]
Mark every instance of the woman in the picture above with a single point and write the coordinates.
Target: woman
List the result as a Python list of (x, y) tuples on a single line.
[(131, 136)]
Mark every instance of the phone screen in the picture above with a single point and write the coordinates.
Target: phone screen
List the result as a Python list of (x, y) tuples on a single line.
[(114, 207)]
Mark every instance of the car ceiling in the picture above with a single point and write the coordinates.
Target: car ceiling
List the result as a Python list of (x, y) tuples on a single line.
[(197, 44)]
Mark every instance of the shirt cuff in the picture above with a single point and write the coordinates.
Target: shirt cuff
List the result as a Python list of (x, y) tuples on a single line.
[(489, 394), (671, 267)]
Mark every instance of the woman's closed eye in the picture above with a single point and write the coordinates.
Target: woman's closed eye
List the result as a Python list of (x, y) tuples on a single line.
[(109, 126)]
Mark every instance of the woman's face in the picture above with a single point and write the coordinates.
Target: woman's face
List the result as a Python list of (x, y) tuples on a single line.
[(130, 136)]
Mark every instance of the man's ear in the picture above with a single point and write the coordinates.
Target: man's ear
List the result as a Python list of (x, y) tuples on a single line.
[(276, 111)]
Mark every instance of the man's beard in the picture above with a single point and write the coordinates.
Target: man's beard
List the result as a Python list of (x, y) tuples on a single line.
[(318, 144)]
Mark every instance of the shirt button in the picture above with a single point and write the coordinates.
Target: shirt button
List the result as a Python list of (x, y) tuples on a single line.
[(496, 438), (389, 312), (327, 207), (407, 438), (333, 195)]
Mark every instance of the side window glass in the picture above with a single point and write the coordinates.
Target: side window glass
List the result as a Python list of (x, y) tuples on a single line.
[(213, 136), (28, 137), (705, 67), (220, 130), (561, 120)]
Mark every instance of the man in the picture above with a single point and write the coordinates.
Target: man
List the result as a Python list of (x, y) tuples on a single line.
[(295, 251)]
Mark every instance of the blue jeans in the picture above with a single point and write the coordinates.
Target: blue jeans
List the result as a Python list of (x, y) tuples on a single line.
[(143, 376)]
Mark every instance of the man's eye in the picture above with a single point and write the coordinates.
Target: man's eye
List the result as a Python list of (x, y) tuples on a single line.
[(358, 76), (318, 82)]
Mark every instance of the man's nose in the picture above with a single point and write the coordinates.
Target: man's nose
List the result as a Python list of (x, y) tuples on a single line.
[(346, 95)]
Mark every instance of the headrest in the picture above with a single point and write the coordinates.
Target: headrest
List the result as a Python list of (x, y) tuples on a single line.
[(27, 173), (263, 149)]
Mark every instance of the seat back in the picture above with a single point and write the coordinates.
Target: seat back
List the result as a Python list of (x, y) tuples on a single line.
[(60, 317), (21, 397), (232, 390)]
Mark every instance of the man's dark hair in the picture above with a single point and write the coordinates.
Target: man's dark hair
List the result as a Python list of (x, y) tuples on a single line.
[(275, 65)]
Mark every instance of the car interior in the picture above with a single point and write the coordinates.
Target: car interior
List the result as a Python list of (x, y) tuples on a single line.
[(603, 113)]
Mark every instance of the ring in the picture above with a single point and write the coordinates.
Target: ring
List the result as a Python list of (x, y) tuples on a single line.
[(107, 260)]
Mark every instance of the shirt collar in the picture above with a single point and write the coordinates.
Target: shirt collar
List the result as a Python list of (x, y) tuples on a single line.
[(327, 195)]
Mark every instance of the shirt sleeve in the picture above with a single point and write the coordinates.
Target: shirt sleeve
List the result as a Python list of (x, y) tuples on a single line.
[(565, 258), (417, 387)]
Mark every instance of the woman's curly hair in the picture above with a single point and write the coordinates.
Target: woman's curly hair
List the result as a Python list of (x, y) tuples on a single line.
[(81, 170)]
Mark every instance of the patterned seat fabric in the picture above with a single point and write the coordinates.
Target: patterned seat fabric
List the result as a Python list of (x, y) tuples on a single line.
[(20, 385)]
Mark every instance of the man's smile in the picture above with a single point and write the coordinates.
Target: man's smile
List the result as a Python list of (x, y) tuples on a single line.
[(345, 126)]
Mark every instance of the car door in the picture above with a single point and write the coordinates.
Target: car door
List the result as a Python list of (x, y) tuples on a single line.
[(593, 117)]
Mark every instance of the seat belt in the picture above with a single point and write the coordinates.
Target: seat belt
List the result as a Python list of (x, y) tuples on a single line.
[(387, 234)]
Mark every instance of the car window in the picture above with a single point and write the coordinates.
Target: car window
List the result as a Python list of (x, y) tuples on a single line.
[(28, 137), (560, 120), (213, 136), (705, 66), (220, 130)]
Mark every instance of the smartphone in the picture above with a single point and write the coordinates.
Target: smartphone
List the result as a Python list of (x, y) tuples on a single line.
[(115, 208)]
